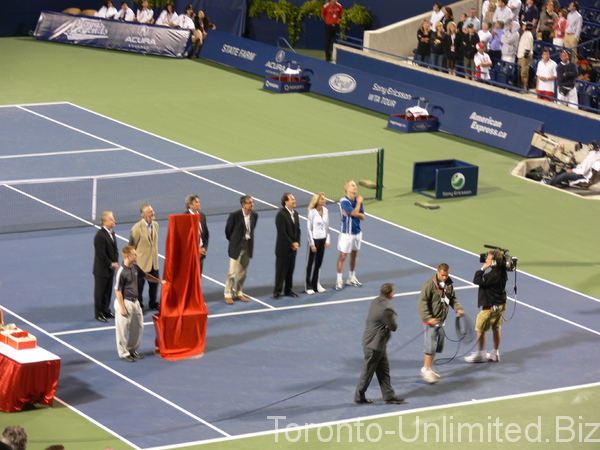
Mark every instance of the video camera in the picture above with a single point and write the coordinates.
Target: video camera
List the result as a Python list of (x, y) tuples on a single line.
[(508, 262)]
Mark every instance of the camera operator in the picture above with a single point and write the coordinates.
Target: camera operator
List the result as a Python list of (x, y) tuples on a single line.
[(582, 172), (491, 298)]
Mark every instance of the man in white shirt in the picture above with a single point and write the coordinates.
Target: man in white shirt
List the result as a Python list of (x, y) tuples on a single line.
[(145, 14), (436, 15), (125, 14), (186, 22), (483, 62), (515, 8), (546, 74), (574, 24), (582, 172), (503, 14)]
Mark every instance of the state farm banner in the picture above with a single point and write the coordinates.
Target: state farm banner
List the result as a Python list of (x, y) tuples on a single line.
[(113, 34)]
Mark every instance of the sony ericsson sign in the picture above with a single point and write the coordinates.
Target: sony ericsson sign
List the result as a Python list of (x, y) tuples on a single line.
[(457, 180)]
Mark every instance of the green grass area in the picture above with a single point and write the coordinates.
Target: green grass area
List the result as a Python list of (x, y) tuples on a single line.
[(227, 113)]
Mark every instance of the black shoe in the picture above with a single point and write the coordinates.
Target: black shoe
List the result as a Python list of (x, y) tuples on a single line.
[(292, 294), (109, 315), (155, 307), (394, 401), (364, 401), (101, 318), (136, 355), (276, 295), (128, 358)]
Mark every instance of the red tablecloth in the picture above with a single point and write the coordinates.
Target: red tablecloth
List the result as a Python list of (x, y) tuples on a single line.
[(27, 376)]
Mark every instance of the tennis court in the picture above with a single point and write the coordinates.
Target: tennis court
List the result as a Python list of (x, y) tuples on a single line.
[(297, 359)]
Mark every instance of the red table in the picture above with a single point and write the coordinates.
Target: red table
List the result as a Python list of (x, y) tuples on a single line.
[(27, 376)]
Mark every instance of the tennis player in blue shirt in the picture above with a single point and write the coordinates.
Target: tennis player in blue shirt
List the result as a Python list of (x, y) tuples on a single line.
[(349, 240)]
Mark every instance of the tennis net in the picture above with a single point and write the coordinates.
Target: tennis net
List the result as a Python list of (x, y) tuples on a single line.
[(44, 204)]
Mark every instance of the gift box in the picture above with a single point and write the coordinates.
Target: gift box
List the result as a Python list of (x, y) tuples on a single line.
[(22, 340), (6, 332)]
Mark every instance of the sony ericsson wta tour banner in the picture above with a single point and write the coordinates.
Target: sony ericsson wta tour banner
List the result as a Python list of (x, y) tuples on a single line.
[(113, 34), (461, 117)]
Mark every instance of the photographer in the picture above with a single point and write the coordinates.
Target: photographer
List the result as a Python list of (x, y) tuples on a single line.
[(491, 298)]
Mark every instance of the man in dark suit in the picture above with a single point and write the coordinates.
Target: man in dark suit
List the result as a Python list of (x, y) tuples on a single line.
[(381, 321), (192, 204), (106, 261), (287, 223), (239, 231)]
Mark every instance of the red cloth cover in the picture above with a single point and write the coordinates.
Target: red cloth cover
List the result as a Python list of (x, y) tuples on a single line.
[(181, 323), (21, 384)]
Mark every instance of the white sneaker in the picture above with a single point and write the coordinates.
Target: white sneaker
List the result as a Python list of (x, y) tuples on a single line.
[(353, 282), (437, 375), (321, 288), (429, 376), (310, 292), (339, 286), (476, 357), (493, 356)]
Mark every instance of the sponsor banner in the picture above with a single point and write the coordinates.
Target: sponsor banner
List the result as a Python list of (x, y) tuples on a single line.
[(400, 122), (113, 34), (500, 129), (284, 86), (448, 178)]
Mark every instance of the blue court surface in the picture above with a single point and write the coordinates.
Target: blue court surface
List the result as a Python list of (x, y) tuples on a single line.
[(298, 359)]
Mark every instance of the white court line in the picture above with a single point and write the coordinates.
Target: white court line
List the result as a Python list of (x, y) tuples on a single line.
[(72, 152), (120, 375)]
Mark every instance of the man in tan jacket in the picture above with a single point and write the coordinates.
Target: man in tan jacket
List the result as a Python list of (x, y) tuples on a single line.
[(144, 238)]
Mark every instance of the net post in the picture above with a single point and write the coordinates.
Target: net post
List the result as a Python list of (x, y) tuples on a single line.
[(380, 174), (94, 196)]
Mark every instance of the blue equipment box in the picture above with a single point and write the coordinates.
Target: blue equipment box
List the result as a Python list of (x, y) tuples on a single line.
[(448, 178)]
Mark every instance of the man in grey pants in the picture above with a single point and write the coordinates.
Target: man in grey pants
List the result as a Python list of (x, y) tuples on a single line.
[(381, 321)]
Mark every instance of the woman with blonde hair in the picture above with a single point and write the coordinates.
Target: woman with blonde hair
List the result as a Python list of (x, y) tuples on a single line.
[(318, 242)]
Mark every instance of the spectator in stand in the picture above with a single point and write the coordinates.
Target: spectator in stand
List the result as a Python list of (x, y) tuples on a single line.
[(485, 35), (495, 44), (438, 45), (460, 25), (201, 25), (145, 14), (168, 17), (530, 13), (547, 19), (437, 15), (566, 74), (453, 48), (587, 72), (510, 42), (546, 74), (473, 19), (559, 27), (574, 24), (125, 13), (424, 38), (515, 7), (186, 22), (503, 13), (525, 53), (483, 62), (448, 16), (108, 11), (469, 48), (487, 11)]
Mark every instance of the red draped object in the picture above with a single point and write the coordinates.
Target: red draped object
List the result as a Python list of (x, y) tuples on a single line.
[(21, 384), (181, 323)]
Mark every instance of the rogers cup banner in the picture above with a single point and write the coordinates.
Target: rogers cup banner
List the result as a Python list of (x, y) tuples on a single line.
[(113, 34)]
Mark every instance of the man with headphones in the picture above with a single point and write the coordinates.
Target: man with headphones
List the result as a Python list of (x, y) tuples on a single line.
[(436, 298), (491, 298)]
